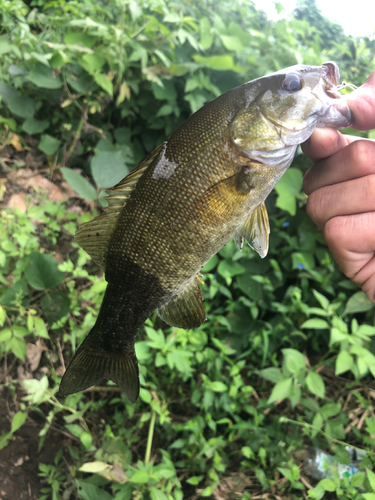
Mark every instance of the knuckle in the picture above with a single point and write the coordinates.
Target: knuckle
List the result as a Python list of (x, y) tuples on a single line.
[(335, 232), (315, 206), (362, 154)]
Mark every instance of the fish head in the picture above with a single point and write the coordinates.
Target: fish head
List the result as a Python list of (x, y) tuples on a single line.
[(284, 108)]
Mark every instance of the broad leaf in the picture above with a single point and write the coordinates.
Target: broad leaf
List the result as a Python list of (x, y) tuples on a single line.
[(79, 183), (55, 306), (48, 144), (42, 271), (42, 76)]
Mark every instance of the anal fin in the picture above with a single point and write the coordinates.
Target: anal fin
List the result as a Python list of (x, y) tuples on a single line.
[(255, 230), (185, 310), (90, 365)]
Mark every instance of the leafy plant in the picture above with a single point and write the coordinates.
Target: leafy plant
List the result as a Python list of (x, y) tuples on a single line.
[(282, 362)]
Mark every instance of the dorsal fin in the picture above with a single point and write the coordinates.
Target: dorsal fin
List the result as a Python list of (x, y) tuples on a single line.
[(255, 230), (118, 194), (94, 236)]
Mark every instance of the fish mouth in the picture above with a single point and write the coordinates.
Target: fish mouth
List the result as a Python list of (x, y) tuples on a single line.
[(338, 114), (331, 73)]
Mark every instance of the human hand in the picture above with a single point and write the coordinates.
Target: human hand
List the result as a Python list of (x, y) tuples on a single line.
[(341, 190)]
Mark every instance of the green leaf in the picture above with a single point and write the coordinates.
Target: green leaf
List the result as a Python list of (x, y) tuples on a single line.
[(273, 374), (18, 290), (328, 484), (86, 439), (220, 63), (359, 302), (294, 361), (40, 327), (288, 188), (286, 473), (42, 271), (318, 423), (250, 287), (140, 477), (55, 306), (232, 43), (315, 384), (282, 390), (286, 201), (88, 491), (323, 301), (227, 269), (357, 479), (316, 323), (157, 494), (108, 168), (217, 386), (22, 106), (3, 316), (92, 63), (344, 362), (194, 480), (206, 35), (42, 76), (79, 183), (18, 347), (75, 429), (18, 420), (48, 144), (32, 126), (20, 331), (104, 83), (145, 395), (330, 410), (211, 264), (4, 439), (80, 38), (371, 479), (5, 45)]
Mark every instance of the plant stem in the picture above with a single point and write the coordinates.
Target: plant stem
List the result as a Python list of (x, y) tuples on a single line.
[(327, 436), (150, 437), (77, 135)]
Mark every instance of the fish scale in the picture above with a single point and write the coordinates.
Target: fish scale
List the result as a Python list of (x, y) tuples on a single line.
[(204, 185)]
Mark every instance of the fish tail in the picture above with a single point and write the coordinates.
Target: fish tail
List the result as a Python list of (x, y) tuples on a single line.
[(90, 365)]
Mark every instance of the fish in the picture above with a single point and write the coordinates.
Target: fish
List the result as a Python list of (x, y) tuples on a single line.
[(205, 184)]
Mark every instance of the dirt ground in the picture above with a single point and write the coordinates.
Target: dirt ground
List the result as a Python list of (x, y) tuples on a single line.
[(19, 460)]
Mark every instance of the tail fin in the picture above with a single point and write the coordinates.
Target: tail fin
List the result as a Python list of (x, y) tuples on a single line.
[(90, 365)]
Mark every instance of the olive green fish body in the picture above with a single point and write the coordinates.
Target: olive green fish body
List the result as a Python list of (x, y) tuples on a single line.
[(204, 185)]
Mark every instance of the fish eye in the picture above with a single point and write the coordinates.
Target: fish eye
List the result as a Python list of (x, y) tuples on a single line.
[(292, 83)]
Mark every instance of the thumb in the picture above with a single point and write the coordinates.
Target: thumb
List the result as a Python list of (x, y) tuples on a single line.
[(362, 103)]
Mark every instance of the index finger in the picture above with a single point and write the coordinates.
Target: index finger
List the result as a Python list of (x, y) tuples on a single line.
[(362, 103), (325, 142)]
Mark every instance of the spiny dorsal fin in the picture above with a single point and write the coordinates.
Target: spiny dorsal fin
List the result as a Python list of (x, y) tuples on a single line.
[(255, 230), (118, 195), (94, 236), (186, 309)]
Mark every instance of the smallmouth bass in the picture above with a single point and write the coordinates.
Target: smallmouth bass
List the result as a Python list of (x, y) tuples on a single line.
[(204, 185)]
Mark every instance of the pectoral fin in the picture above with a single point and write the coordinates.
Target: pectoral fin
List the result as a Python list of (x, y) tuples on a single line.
[(186, 309), (255, 230)]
